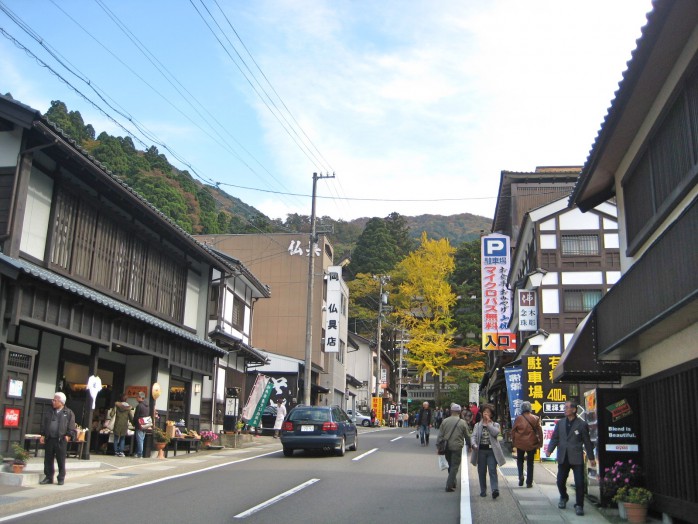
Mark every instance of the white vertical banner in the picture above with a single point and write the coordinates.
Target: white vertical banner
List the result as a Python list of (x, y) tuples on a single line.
[(496, 296), (528, 310), (333, 313), (255, 396)]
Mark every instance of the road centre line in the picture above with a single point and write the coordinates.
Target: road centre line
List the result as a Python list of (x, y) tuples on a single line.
[(396, 438), (365, 454), (276, 499), (129, 488)]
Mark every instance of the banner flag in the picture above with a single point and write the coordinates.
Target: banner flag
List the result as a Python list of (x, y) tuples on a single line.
[(256, 420), (260, 385)]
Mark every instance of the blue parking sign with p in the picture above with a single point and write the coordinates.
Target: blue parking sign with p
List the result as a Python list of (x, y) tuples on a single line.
[(496, 246)]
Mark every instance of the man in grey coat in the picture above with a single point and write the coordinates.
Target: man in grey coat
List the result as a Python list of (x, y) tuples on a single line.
[(456, 431), (570, 437)]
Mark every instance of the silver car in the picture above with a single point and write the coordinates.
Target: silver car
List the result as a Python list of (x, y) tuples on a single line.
[(360, 419)]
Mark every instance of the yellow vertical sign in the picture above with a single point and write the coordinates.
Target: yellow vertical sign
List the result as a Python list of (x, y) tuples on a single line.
[(377, 405)]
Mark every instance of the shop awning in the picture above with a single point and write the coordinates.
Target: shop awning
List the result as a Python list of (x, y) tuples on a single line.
[(231, 343), (580, 362)]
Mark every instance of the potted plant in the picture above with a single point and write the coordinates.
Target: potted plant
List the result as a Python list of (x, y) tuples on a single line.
[(21, 456), (636, 501), (620, 475), (207, 437)]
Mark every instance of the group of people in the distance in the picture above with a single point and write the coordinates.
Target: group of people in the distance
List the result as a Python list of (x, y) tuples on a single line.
[(570, 437)]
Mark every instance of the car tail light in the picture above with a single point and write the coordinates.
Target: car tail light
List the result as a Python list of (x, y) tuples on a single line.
[(287, 426), (329, 426)]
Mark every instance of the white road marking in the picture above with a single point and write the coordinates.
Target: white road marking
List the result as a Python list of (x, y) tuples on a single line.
[(365, 454), (129, 488), (396, 438), (276, 499), (466, 515)]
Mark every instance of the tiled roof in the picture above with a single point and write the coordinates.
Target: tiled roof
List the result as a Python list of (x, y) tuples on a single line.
[(87, 293)]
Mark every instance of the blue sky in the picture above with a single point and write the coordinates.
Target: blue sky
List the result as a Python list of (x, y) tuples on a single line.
[(416, 106)]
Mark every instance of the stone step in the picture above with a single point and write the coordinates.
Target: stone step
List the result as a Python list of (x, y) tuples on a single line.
[(34, 472)]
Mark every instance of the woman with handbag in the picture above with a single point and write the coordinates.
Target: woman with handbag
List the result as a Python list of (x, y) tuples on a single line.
[(487, 453), (120, 416), (527, 437)]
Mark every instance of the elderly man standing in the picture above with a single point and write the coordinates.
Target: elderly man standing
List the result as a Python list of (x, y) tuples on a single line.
[(57, 429), (571, 436), (426, 416), (456, 431)]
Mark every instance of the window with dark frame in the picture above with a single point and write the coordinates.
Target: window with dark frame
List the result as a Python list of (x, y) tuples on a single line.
[(580, 245), (238, 314), (580, 300)]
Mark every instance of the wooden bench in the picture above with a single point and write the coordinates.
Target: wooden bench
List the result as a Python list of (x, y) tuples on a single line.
[(175, 442)]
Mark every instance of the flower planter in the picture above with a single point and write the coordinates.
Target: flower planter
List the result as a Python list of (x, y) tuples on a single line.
[(621, 511), (637, 513), (18, 468)]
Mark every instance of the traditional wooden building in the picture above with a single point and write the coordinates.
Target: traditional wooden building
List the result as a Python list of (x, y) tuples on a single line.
[(646, 156), (99, 291)]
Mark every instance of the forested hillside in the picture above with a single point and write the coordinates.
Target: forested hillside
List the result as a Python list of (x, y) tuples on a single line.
[(203, 209)]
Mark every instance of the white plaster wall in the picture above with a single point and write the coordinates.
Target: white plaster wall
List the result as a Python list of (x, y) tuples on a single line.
[(138, 370), (574, 219), (671, 352), (550, 279), (582, 277), (548, 242), (612, 277), (37, 214), (164, 381), (548, 225), (194, 399), (10, 142), (551, 301), (610, 224), (551, 346), (610, 241)]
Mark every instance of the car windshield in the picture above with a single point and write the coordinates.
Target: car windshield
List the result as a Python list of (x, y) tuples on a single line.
[(315, 415)]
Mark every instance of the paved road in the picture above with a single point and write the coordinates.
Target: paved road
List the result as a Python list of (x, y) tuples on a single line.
[(389, 479)]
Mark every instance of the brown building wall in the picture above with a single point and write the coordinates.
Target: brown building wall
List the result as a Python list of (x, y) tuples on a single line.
[(279, 322)]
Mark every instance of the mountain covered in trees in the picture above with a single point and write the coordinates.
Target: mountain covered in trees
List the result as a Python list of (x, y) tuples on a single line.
[(200, 208)]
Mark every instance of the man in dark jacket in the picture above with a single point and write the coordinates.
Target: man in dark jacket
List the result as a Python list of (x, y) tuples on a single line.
[(571, 436), (57, 429), (142, 411), (426, 416)]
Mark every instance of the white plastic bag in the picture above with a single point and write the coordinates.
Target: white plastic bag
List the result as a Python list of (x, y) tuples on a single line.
[(443, 463)]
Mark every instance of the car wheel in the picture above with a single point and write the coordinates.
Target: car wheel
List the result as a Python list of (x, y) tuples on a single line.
[(288, 452), (355, 446), (366, 423), (342, 448)]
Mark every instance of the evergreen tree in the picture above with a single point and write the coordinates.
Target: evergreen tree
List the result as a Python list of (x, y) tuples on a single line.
[(400, 231), (466, 282), (375, 252)]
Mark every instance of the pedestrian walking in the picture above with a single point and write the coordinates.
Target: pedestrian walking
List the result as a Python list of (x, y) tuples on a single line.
[(426, 416), (571, 437), (280, 416), (467, 415), (439, 415), (487, 453), (57, 429), (121, 413), (455, 430), (373, 417), (527, 437)]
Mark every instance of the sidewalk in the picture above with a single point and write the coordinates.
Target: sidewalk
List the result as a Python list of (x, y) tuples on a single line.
[(539, 503), (89, 478)]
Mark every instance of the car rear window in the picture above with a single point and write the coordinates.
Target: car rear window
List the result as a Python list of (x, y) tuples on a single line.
[(315, 415)]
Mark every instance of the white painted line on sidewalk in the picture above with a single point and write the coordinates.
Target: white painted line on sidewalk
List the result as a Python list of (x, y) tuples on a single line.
[(129, 488), (466, 515), (365, 454), (276, 499)]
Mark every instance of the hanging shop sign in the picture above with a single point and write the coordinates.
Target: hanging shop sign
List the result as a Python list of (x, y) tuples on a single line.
[(333, 312), (528, 310), (512, 376), (496, 296), (545, 396)]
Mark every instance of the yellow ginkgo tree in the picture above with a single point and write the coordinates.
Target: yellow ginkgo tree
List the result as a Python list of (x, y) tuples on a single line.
[(423, 305)]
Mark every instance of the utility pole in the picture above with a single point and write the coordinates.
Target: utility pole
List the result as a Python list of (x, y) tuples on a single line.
[(307, 375), (399, 371), (382, 279)]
